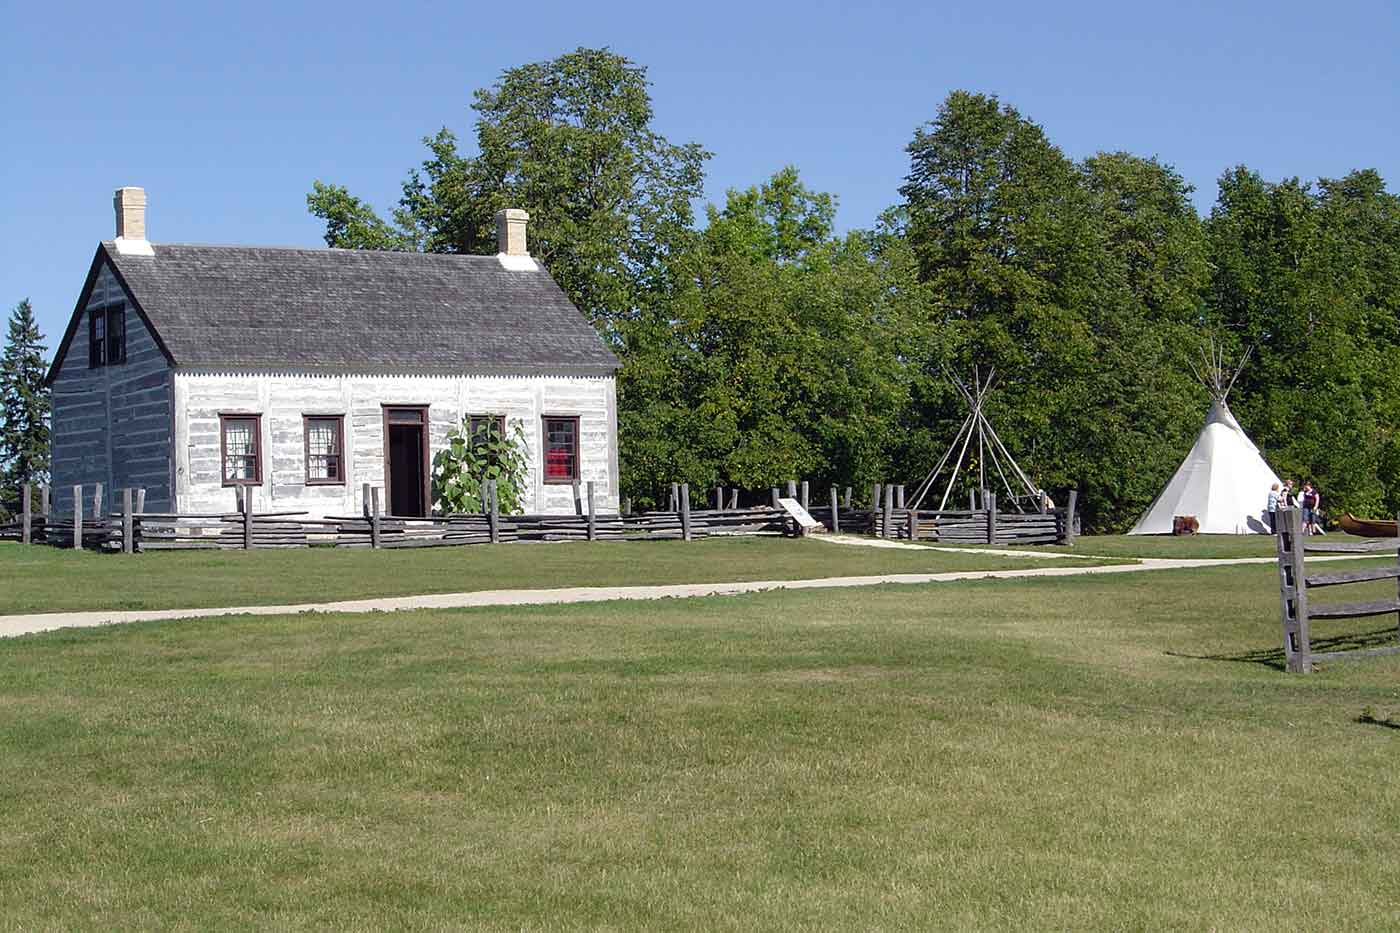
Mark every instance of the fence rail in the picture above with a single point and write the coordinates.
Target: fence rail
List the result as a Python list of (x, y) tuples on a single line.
[(1295, 584), (129, 528)]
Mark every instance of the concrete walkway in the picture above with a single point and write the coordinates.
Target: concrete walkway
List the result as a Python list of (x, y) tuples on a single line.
[(42, 622)]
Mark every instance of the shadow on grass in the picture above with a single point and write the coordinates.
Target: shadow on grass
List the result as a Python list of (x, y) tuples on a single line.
[(1274, 657), (1367, 718)]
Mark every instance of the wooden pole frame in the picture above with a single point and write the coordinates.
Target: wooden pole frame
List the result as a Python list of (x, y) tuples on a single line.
[(685, 511), (26, 515), (78, 517), (128, 523)]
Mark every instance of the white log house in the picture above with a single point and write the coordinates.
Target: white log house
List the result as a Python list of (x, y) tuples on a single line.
[(195, 372)]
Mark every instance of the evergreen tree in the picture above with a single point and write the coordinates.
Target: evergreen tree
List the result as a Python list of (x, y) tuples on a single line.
[(24, 405)]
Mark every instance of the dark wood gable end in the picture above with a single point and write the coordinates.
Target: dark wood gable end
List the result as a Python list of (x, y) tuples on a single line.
[(79, 316)]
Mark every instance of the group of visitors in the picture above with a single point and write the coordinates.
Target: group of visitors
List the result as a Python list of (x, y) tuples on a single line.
[(1308, 499)]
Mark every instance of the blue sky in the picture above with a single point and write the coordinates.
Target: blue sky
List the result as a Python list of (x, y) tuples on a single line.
[(226, 113)]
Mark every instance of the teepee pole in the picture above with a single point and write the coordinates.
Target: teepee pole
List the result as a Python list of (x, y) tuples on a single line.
[(929, 480), (976, 414)]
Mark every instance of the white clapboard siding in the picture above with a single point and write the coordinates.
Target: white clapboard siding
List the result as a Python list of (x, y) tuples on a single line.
[(282, 399)]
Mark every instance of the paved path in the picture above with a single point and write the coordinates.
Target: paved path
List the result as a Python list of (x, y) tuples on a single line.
[(47, 621)]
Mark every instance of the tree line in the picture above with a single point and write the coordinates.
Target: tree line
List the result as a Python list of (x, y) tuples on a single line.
[(759, 344)]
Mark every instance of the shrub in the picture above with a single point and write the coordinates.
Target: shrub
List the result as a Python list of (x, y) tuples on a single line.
[(469, 458)]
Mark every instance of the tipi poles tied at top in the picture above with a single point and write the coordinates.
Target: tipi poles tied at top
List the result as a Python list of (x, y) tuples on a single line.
[(989, 448)]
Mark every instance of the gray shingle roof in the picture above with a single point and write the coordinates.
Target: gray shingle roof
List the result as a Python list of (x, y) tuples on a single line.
[(349, 310)]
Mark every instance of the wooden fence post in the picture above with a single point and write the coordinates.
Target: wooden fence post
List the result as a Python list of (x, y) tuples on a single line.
[(990, 501), (899, 496), (912, 517), (675, 504), (972, 500), (1293, 593), (247, 518), (128, 524), (495, 516), (734, 498), (887, 525), (97, 503), (1040, 501), (578, 498), (374, 526), (25, 517), (592, 515), (719, 498), (792, 489), (685, 511), (78, 517), (847, 498), (805, 492), (627, 506), (835, 513), (773, 497), (364, 500), (44, 501), (1069, 515), (140, 500)]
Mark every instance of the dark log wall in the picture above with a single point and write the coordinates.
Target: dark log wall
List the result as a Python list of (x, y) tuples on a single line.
[(113, 424)]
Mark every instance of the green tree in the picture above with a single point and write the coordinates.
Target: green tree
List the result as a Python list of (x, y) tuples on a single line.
[(1147, 320), (1311, 276), (571, 141), (1002, 227), (779, 356), (24, 405)]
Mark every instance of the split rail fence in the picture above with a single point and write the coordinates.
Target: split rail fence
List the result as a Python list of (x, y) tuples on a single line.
[(129, 528), (1295, 585)]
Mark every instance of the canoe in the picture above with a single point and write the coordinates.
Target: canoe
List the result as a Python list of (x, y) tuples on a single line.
[(1366, 527)]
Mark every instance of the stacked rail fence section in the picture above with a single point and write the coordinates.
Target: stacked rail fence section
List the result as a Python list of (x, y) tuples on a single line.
[(129, 528)]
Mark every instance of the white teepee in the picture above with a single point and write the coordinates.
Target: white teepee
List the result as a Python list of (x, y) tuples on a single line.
[(1223, 482)]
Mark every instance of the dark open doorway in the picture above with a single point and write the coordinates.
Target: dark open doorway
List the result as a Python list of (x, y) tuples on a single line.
[(406, 460)]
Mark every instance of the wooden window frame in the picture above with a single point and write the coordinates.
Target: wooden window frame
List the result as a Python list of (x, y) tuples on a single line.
[(385, 408), (100, 351), (480, 416), (544, 450), (256, 418), (97, 346), (306, 420)]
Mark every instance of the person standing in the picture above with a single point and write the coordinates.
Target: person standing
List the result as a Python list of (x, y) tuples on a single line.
[(1273, 508), (1309, 501)]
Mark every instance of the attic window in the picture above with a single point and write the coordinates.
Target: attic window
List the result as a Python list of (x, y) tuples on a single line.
[(107, 336)]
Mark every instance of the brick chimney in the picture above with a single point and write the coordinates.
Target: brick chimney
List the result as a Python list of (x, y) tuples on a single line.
[(130, 204)]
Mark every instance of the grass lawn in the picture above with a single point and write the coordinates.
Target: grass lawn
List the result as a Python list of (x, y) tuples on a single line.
[(44, 579), (1084, 753)]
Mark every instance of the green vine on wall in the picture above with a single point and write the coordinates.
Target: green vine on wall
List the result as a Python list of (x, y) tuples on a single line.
[(460, 468)]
